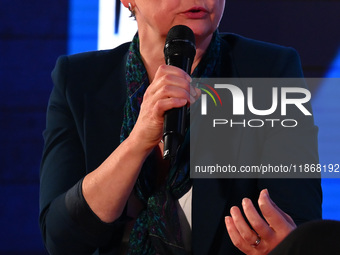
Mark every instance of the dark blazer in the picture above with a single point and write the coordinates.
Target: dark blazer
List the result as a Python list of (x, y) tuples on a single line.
[(83, 125)]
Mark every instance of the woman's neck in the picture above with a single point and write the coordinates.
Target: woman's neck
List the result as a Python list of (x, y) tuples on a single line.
[(152, 55)]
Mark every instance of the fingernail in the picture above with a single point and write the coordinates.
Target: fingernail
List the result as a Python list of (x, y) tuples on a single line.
[(232, 210), (183, 101), (197, 91), (245, 200), (193, 91), (192, 99), (265, 193)]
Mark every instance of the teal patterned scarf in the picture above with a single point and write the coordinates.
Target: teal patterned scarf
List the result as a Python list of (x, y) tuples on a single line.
[(157, 228)]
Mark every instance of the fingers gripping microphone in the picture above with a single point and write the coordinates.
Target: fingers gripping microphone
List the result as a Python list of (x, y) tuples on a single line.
[(179, 51)]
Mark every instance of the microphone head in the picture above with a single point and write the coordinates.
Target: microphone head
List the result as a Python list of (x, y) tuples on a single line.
[(180, 41)]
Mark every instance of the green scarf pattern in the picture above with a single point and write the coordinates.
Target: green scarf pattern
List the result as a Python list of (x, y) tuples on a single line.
[(157, 228)]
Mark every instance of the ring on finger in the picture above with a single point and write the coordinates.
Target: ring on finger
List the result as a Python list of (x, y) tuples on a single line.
[(257, 242)]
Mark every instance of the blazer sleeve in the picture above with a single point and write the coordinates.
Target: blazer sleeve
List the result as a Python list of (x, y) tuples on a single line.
[(67, 223)]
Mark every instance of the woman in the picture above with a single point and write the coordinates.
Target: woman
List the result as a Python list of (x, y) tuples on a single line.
[(104, 185)]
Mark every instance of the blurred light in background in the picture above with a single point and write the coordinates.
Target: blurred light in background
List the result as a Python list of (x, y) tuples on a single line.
[(96, 25), (326, 108)]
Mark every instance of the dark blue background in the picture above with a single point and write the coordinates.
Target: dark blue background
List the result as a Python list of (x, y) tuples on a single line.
[(34, 33)]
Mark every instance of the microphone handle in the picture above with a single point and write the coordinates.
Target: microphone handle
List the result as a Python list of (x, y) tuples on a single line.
[(174, 119)]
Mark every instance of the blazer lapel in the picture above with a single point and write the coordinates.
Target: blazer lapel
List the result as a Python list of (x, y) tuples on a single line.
[(210, 199), (103, 116)]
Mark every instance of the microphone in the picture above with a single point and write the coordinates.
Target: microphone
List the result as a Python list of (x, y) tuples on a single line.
[(179, 51)]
